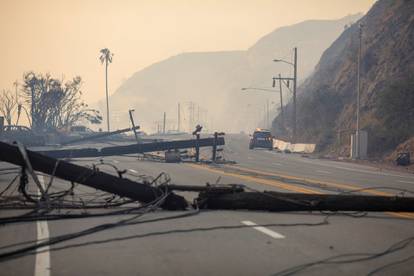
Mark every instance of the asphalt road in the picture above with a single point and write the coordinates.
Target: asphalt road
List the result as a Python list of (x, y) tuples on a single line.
[(232, 242)]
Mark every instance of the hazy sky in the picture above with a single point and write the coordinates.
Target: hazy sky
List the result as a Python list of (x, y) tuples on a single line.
[(64, 37)]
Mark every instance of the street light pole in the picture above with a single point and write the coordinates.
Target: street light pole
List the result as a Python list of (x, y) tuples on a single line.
[(163, 124), (357, 140), (178, 117), (295, 66)]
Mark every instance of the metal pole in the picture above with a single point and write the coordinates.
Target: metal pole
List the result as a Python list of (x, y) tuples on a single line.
[(163, 125), (357, 154), (32, 110), (198, 113), (192, 114), (213, 158), (178, 119), (107, 98), (190, 117), (267, 114), (197, 148), (295, 65)]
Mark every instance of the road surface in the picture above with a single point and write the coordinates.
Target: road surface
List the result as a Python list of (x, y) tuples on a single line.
[(232, 242)]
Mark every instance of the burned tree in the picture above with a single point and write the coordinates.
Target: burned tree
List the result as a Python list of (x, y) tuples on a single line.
[(54, 103), (8, 103)]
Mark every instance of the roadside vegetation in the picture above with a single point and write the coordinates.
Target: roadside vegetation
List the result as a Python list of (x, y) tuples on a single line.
[(48, 103), (395, 115)]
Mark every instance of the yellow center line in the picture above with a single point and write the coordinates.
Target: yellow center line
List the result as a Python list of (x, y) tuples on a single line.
[(258, 180), (402, 214), (333, 184), (294, 188)]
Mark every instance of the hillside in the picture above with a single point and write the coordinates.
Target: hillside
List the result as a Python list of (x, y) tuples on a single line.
[(327, 99), (214, 79)]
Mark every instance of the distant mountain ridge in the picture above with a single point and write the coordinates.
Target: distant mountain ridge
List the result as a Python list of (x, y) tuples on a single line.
[(214, 80)]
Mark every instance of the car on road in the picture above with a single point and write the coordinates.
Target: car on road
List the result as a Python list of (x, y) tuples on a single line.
[(261, 138)]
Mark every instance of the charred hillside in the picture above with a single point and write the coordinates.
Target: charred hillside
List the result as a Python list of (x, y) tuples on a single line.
[(327, 99)]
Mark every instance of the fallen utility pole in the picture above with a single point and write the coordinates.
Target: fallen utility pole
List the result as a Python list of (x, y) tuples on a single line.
[(134, 148), (224, 197), (196, 133), (214, 150), (100, 135), (90, 177), (278, 202), (134, 128), (230, 197)]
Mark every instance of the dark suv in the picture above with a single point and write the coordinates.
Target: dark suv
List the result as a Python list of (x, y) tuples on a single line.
[(261, 138)]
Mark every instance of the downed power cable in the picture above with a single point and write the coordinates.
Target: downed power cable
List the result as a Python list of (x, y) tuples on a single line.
[(228, 197), (90, 177)]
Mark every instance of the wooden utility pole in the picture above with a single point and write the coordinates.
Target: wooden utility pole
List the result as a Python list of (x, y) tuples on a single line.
[(89, 177), (357, 134), (131, 117), (178, 117), (163, 124), (294, 79), (267, 115), (198, 113), (191, 116), (282, 202), (281, 101)]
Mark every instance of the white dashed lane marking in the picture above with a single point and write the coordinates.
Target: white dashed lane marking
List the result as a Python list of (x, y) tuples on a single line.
[(264, 230), (408, 182), (42, 264), (324, 172)]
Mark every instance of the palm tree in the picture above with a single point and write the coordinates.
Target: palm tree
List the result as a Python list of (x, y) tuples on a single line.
[(106, 56)]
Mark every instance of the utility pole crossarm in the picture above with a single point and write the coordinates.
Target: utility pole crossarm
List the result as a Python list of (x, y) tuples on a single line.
[(280, 78), (248, 89)]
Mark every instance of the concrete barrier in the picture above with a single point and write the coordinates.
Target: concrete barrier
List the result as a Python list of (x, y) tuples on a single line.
[(299, 148)]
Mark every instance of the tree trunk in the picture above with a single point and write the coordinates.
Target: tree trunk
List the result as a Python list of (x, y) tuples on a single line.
[(107, 98)]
